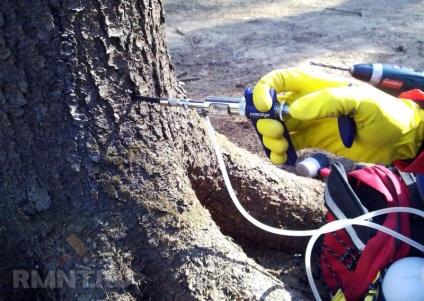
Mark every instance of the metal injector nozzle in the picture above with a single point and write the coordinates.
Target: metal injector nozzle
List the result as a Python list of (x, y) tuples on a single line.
[(244, 106), (214, 105)]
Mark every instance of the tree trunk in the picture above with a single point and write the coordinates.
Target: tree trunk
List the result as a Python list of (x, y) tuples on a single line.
[(101, 187)]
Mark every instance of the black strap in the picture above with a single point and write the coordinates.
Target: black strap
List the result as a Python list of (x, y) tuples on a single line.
[(417, 222), (414, 194), (342, 202)]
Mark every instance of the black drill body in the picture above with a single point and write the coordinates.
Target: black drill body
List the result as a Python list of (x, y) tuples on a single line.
[(391, 79)]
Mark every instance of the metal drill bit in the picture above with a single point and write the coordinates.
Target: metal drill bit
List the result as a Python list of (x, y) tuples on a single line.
[(147, 99), (329, 66)]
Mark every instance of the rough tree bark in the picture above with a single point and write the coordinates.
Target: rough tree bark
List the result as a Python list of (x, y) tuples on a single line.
[(93, 181)]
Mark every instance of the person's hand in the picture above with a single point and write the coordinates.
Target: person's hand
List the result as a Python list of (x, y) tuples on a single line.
[(294, 84), (387, 128)]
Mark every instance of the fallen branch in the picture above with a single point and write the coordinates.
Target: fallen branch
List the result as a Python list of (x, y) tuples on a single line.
[(351, 12), (187, 79)]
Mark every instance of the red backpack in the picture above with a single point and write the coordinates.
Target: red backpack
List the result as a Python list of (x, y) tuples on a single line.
[(353, 258)]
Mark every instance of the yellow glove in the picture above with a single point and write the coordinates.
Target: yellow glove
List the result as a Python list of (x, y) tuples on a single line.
[(294, 84), (387, 128)]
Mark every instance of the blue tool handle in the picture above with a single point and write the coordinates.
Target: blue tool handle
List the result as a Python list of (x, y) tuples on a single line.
[(347, 129), (254, 115)]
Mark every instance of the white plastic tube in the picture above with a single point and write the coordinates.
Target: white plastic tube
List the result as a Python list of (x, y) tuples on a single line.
[(330, 227), (235, 199)]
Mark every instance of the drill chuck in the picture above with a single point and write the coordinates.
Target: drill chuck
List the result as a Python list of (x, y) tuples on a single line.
[(391, 79)]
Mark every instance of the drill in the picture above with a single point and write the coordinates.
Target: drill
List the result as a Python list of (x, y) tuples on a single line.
[(391, 79)]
